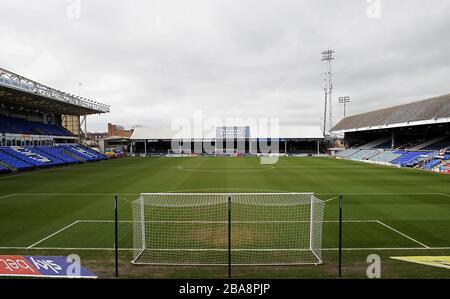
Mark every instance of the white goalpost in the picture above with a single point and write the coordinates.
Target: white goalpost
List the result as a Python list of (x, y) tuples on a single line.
[(227, 228)]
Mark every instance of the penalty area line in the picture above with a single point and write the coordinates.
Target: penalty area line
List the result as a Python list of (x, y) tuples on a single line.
[(51, 235), (404, 235)]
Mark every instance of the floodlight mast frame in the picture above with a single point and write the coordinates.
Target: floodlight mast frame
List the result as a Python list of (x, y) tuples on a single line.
[(327, 55), (344, 100)]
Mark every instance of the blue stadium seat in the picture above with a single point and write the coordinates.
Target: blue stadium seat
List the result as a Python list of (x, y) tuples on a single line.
[(23, 126), (14, 162), (409, 158), (84, 152), (59, 153), (23, 158), (31, 157)]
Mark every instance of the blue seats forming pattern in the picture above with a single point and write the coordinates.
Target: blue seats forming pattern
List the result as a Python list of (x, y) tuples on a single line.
[(24, 158), (31, 157), (59, 153), (84, 152), (408, 158), (424, 159), (14, 162)]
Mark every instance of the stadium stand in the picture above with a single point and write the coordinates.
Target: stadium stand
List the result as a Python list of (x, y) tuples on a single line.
[(385, 157), (84, 152), (24, 158), (408, 158), (427, 143), (59, 153), (363, 154), (31, 157), (385, 145), (347, 153), (430, 165), (13, 162), (22, 126), (443, 144), (40, 125), (375, 143), (429, 109), (416, 134), (404, 144)]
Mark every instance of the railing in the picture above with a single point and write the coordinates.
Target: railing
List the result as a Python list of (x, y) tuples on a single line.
[(18, 82)]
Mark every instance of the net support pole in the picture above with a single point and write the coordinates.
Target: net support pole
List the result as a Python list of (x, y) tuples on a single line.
[(311, 223), (116, 237), (142, 211), (340, 235), (229, 236)]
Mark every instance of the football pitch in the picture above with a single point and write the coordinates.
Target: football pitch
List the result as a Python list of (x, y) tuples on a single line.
[(387, 211)]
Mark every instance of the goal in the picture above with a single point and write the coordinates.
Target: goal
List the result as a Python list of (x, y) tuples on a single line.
[(227, 228)]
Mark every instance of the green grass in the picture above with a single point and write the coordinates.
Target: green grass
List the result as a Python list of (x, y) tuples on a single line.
[(405, 210)]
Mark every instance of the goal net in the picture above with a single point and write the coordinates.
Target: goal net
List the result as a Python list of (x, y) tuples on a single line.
[(216, 228)]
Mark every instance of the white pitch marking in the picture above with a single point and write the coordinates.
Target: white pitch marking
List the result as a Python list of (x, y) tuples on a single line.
[(6, 196), (129, 249), (208, 189), (388, 248), (404, 235), (330, 199), (74, 194), (61, 248), (201, 221), (125, 199), (49, 236), (220, 170), (382, 193)]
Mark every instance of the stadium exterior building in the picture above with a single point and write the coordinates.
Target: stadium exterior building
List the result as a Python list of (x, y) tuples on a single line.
[(228, 140)]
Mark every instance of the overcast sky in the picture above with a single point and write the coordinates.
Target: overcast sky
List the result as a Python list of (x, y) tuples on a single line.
[(153, 61)]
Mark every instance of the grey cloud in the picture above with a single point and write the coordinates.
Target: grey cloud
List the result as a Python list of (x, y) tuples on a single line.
[(153, 61)]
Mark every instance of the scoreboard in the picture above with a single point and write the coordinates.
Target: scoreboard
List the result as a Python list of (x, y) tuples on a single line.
[(233, 132)]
